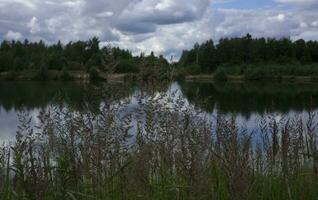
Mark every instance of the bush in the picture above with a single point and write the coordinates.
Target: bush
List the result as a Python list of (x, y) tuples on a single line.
[(126, 66), (257, 74), (93, 74), (65, 75), (193, 69), (43, 73), (220, 74), (11, 75)]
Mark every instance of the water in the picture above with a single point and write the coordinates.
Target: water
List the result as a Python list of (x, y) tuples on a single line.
[(248, 101)]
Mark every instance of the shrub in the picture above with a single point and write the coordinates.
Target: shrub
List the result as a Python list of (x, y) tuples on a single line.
[(220, 75), (192, 69), (126, 66), (11, 75), (93, 74), (42, 74), (257, 74), (65, 74)]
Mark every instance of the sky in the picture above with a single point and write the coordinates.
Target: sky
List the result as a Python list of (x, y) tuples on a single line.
[(164, 26)]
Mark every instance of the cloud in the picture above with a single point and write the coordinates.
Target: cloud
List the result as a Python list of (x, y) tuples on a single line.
[(164, 26), (145, 16), (165, 11), (105, 14), (218, 23), (13, 35), (300, 4), (34, 25)]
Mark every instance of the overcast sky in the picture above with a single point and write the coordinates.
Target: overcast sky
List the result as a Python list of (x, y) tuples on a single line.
[(164, 26)]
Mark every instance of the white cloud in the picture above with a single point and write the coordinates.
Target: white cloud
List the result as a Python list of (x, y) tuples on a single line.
[(281, 17), (31, 4), (11, 35), (105, 14), (277, 18), (303, 25), (314, 23), (54, 24), (307, 35), (165, 26), (163, 5), (34, 26)]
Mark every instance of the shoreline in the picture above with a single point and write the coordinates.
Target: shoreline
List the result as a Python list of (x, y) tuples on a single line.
[(54, 75), (241, 78)]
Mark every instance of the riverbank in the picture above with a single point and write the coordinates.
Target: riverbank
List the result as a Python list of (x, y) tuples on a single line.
[(55, 75), (242, 78), (296, 72)]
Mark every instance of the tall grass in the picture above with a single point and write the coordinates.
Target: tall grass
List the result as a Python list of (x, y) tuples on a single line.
[(163, 149)]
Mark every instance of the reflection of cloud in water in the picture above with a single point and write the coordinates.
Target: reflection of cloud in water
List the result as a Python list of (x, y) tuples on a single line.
[(9, 123), (168, 99)]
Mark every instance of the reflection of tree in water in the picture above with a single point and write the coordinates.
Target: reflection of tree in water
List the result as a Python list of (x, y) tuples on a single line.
[(176, 153), (243, 98), (33, 95), (246, 98)]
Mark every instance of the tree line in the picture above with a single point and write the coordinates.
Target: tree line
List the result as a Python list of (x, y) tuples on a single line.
[(84, 56), (246, 51), (255, 58)]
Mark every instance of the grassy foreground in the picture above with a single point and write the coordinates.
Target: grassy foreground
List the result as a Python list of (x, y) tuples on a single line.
[(158, 152)]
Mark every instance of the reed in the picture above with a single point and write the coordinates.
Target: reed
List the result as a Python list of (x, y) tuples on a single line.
[(162, 148)]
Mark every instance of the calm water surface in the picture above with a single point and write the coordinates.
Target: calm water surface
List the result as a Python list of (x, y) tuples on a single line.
[(248, 101)]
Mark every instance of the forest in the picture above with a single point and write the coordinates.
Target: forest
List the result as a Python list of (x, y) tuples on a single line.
[(18, 57), (255, 58), (244, 57)]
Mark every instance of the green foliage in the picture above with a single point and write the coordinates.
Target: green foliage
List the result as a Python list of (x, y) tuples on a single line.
[(42, 73), (11, 75), (246, 51), (272, 71), (220, 75), (192, 69), (257, 73), (203, 56), (56, 62), (75, 56), (153, 68), (126, 66), (93, 74), (65, 74)]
